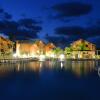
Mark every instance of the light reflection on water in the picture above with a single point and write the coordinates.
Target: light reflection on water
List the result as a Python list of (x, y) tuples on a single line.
[(78, 68), (50, 80)]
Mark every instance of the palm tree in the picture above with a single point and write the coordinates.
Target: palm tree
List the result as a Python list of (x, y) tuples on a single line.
[(68, 51)]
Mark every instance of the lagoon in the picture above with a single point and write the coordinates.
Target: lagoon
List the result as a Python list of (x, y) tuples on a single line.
[(50, 80)]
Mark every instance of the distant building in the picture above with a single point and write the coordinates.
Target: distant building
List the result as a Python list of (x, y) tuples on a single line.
[(6, 47), (83, 49), (48, 49), (26, 48), (23, 48), (32, 48)]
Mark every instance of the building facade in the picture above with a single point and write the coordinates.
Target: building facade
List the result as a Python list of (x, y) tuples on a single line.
[(6, 47), (33, 48), (49, 49), (83, 49)]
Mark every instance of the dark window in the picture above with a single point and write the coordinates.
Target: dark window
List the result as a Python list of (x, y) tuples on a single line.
[(86, 45)]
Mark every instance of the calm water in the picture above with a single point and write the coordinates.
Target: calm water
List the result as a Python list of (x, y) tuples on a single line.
[(50, 80)]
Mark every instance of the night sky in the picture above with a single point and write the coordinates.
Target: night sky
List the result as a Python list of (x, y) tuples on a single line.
[(58, 21)]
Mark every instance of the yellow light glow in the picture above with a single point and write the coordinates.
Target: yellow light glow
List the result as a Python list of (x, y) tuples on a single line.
[(42, 58), (52, 56), (24, 56), (14, 55), (62, 57), (34, 55), (62, 65)]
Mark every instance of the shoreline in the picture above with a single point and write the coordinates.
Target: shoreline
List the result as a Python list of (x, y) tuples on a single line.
[(15, 60)]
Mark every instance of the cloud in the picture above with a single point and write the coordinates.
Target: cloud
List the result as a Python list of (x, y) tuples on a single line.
[(91, 33), (29, 25), (60, 41), (28, 22), (1, 10), (26, 28), (95, 40), (56, 40), (73, 30), (78, 31), (63, 42), (71, 9), (3, 35), (5, 15), (22, 29)]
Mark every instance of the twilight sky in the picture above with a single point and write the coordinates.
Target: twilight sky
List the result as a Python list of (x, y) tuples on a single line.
[(58, 21)]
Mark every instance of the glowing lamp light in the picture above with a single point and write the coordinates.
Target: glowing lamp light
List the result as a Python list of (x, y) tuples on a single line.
[(14, 55), (34, 55), (62, 65), (42, 58), (52, 56), (25, 56), (62, 57)]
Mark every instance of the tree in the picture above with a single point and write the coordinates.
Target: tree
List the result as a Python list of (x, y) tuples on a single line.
[(57, 51), (68, 50)]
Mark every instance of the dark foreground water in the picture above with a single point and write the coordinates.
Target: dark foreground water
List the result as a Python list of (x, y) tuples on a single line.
[(50, 80)]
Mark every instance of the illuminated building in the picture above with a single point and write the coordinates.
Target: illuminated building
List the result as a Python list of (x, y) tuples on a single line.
[(83, 49), (48, 49), (6, 47), (26, 48), (33, 48)]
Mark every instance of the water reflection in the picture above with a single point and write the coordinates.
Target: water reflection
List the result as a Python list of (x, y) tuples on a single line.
[(81, 67), (78, 68), (62, 64)]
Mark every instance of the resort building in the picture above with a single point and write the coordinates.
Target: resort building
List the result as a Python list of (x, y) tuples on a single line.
[(83, 49), (33, 48), (49, 49), (6, 47), (27, 48)]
